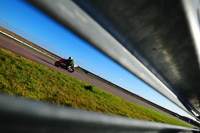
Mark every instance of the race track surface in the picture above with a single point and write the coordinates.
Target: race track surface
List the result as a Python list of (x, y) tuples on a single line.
[(14, 47)]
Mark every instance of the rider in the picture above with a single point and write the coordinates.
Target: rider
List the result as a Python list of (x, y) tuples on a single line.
[(70, 61)]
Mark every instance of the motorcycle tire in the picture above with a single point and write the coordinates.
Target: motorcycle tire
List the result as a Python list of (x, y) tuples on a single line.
[(57, 63), (71, 70)]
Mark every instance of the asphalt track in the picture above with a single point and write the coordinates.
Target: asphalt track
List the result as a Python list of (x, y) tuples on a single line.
[(14, 47)]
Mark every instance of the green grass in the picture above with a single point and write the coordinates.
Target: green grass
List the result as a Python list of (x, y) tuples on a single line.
[(25, 78)]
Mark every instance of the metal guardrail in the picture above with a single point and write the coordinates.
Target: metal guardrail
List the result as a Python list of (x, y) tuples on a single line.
[(72, 17), (22, 115)]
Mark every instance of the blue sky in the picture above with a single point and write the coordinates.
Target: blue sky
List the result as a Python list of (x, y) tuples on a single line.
[(21, 18)]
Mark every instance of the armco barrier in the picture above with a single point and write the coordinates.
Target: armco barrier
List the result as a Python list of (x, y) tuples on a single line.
[(22, 115)]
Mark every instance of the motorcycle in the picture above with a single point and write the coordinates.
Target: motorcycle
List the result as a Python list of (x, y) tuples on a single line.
[(63, 63)]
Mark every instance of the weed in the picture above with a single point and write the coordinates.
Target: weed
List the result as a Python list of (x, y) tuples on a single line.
[(90, 88)]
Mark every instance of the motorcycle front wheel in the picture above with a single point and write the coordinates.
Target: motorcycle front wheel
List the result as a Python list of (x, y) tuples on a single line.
[(71, 70)]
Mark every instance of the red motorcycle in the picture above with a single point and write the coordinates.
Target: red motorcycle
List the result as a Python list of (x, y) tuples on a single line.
[(63, 63)]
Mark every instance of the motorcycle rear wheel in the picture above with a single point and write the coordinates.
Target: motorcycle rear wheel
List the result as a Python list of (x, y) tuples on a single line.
[(57, 63)]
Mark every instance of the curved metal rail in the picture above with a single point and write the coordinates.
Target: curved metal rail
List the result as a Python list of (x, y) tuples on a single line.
[(22, 115), (25, 115), (136, 58)]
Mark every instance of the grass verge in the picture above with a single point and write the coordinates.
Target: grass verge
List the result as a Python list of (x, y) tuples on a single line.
[(25, 78)]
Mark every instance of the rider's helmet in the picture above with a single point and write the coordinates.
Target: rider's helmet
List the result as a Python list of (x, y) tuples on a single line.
[(70, 58)]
